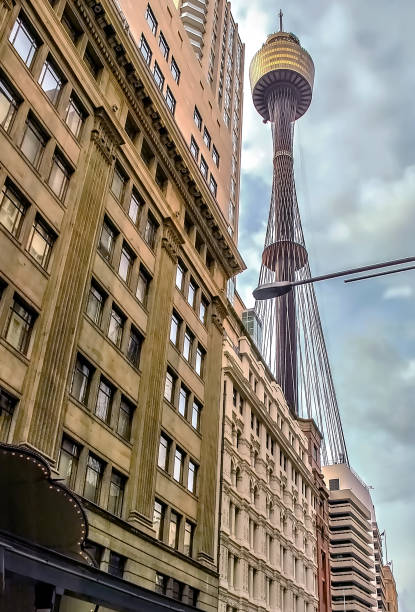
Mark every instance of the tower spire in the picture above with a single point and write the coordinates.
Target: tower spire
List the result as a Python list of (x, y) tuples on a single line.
[(280, 14)]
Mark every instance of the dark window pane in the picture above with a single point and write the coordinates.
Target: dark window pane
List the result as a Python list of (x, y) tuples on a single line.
[(81, 380), (134, 347), (93, 478), (41, 242), (104, 401), (116, 565), (12, 210), (125, 418), (8, 105), (24, 40), (51, 80), (20, 325)]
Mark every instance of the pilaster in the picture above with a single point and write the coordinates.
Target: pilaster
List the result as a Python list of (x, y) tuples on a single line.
[(147, 433), (210, 436), (57, 328)]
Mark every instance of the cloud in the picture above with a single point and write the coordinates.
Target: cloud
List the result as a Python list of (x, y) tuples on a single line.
[(393, 293)]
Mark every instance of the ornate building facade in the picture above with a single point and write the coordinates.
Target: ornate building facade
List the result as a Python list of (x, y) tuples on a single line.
[(116, 245), (268, 543)]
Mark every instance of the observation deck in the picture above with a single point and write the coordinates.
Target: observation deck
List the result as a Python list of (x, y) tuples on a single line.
[(281, 61)]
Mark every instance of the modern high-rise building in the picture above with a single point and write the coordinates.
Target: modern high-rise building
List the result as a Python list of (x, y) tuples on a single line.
[(355, 549), (118, 213)]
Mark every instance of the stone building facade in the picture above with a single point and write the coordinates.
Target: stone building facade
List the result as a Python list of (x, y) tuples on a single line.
[(115, 253), (268, 544), (390, 585)]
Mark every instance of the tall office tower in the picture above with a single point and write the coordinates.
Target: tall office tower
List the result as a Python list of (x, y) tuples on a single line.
[(270, 498), (116, 248), (214, 37), (282, 75), (355, 543)]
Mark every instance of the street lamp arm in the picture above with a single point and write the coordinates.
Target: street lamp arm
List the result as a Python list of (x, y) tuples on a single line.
[(279, 288)]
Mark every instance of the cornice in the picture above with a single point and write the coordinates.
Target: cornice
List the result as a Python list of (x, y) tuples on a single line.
[(172, 239), (105, 135), (122, 57)]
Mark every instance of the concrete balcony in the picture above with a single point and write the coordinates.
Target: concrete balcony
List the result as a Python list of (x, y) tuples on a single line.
[(351, 606), (353, 565), (356, 579), (349, 536), (350, 550), (353, 592), (350, 523)]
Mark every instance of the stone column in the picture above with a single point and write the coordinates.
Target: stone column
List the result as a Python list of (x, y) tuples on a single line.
[(150, 403), (45, 386), (210, 422)]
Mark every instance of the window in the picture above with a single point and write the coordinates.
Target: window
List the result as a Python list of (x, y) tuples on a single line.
[(178, 465), (177, 590), (81, 380), (215, 156), (150, 231), (165, 49), (183, 401), (191, 293), (116, 493), (169, 385), (158, 76), (59, 176), (107, 239), (194, 149), (158, 519), (125, 418), (200, 358), (51, 80), (92, 62), (187, 345), (174, 529), (203, 167), (164, 450), (161, 177), (135, 343), (104, 401), (95, 305), (213, 186), (7, 407), (161, 584), (33, 143), (41, 242), (146, 153), (135, 207), (143, 286), (93, 478), (151, 20), (191, 477), (24, 40), (95, 551), (196, 410), (197, 117), (8, 105), (203, 307), (170, 100), (145, 50), (126, 263), (70, 24), (174, 329), (12, 210), (334, 484), (175, 70), (75, 116), (116, 327), (188, 538), (20, 325), (180, 274), (116, 565), (68, 461), (206, 138), (119, 181), (131, 128)]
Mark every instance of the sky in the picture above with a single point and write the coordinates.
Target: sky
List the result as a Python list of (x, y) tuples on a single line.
[(355, 178)]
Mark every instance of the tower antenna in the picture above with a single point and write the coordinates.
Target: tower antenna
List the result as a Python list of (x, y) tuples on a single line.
[(280, 16)]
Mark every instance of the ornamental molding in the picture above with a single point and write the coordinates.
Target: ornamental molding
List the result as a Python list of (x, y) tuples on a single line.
[(105, 136), (124, 68), (172, 239), (219, 312)]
